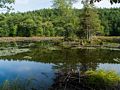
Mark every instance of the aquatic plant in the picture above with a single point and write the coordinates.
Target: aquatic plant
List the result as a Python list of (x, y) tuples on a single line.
[(18, 84), (13, 51), (102, 78)]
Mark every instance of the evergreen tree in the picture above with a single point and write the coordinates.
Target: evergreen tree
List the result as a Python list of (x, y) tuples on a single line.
[(90, 22)]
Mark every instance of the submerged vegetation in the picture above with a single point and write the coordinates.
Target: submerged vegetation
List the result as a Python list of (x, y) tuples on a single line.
[(17, 84)]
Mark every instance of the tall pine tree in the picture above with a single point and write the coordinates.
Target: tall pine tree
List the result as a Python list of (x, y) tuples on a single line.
[(90, 22)]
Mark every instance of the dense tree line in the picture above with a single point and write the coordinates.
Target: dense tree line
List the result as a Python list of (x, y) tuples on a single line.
[(50, 22), (110, 19)]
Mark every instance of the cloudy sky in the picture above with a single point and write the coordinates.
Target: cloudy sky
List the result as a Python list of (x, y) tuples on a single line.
[(29, 5)]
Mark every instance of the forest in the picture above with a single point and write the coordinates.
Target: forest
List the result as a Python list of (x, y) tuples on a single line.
[(50, 22)]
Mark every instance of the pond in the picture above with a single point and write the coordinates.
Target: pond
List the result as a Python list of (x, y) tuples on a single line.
[(39, 62)]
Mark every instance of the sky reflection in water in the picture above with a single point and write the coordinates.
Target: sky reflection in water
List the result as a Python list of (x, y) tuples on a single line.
[(43, 73)]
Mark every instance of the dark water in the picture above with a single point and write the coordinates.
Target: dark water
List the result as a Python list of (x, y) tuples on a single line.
[(45, 59)]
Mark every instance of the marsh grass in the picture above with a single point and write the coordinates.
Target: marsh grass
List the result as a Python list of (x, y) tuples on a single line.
[(17, 84), (36, 39), (110, 39), (102, 79)]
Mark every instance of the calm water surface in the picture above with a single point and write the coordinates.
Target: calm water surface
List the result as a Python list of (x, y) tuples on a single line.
[(45, 59)]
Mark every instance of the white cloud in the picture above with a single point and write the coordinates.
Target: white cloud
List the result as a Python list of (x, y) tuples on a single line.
[(24, 69), (106, 4), (21, 1), (78, 5), (102, 4)]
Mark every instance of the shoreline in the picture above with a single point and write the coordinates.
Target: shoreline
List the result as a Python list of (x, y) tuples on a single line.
[(70, 44), (36, 39)]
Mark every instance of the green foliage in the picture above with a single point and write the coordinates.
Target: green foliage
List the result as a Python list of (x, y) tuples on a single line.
[(51, 22), (62, 20), (66, 17), (102, 78), (90, 23), (27, 28), (17, 84), (110, 20)]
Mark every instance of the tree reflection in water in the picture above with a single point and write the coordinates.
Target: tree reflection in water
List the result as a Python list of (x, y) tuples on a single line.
[(65, 61)]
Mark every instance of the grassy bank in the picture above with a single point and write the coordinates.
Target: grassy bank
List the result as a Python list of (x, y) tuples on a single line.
[(103, 42), (15, 39), (106, 41), (97, 41), (111, 39)]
